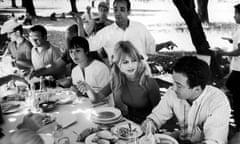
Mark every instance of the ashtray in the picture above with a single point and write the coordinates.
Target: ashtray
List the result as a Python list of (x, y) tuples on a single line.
[(47, 106)]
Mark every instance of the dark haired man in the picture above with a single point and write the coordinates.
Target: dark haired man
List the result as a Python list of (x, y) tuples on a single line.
[(124, 29), (43, 53), (202, 111), (19, 48)]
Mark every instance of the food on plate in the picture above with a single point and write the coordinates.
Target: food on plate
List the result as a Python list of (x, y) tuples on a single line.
[(105, 134), (86, 132), (101, 137), (158, 139), (100, 141), (47, 119), (105, 115), (9, 106), (13, 97), (125, 132)]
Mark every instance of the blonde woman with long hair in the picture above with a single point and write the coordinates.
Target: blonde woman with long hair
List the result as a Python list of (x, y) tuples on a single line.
[(134, 92)]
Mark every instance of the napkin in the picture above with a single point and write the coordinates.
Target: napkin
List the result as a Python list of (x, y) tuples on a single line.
[(32, 121), (66, 120)]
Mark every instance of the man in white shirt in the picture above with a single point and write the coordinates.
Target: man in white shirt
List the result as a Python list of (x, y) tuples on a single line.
[(43, 53), (202, 111), (124, 29)]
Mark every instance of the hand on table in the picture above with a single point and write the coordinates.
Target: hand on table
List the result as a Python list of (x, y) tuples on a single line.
[(83, 87), (149, 126)]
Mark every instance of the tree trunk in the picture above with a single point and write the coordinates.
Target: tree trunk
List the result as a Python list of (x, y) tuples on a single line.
[(30, 7), (73, 5), (203, 10), (24, 3), (186, 9), (14, 4)]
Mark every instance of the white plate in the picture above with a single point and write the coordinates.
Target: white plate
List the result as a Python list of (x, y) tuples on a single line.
[(20, 106), (108, 122), (122, 131), (166, 139), (89, 139), (105, 114)]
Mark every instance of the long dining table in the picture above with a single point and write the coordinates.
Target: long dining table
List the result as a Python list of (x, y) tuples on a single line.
[(74, 117)]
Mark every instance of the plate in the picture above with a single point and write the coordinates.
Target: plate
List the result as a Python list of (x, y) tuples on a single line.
[(123, 131), (63, 97), (105, 114), (103, 137), (11, 106), (108, 121), (164, 139)]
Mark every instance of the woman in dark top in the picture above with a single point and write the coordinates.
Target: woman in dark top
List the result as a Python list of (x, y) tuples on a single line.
[(134, 92)]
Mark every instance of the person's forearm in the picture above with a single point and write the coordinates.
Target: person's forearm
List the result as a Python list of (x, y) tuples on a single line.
[(160, 46), (24, 64), (5, 79), (95, 97)]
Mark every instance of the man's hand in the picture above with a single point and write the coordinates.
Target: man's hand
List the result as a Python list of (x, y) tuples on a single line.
[(149, 126), (169, 45), (18, 78), (230, 40)]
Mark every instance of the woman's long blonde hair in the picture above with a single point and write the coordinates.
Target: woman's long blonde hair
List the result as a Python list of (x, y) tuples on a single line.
[(123, 49)]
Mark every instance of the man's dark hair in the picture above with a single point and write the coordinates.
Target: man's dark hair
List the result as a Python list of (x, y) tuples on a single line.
[(39, 28), (126, 1), (19, 28), (237, 8), (197, 71), (79, 42)]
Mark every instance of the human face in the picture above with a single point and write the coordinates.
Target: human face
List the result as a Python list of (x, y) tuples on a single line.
[(36, 39), (103, 12), (78, 55), (121, 12), (237, 16), (128, 66), (181, 87), (12, 36)]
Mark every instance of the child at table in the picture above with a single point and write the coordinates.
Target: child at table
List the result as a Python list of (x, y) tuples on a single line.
[(134, 92)]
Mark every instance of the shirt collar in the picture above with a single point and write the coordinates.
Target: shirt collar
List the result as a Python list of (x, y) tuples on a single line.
[(117, 27), (201, 97)]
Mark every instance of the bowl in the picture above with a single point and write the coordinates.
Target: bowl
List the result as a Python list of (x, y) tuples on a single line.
[(47, 106)]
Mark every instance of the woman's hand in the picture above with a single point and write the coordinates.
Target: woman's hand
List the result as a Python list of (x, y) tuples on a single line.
[(83, 87), (18, 78)]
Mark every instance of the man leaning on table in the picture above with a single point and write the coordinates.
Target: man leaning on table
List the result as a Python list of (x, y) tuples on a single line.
[(202, 111), (19, 48)]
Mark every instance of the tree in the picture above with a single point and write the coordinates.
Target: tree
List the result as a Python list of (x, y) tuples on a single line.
[(28, 4), (202, 10), (187, 11), (73, 6), (14, 4)]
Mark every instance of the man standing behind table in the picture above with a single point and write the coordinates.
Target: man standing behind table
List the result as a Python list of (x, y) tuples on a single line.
[(44, 55), (19, 48), (124, 30), (202, 111)]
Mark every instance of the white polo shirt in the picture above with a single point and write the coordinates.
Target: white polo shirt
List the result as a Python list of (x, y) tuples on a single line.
[(97, 75), (135, 33), (206, 120)]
